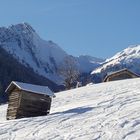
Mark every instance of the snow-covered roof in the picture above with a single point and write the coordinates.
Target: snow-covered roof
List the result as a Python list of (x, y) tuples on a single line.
[(30, 87)]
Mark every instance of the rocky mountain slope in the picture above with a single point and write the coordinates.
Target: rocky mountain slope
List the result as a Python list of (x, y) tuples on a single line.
[(45, 57), (128, 58), (11, 69)]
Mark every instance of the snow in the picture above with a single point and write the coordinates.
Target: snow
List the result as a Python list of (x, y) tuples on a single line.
[(32, 88), (28, 48), (3, 112), (129, 57), (45, 57), (106, 111), (88, 63)]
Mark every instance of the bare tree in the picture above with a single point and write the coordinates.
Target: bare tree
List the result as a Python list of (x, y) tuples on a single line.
[(69, 71)]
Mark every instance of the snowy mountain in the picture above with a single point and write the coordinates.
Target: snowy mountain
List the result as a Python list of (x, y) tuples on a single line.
[(12, 70), (106, 111), (86, 63), (128, 58), (24, 44)]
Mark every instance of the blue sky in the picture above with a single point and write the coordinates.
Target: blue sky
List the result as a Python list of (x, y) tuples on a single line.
[(95, 27)]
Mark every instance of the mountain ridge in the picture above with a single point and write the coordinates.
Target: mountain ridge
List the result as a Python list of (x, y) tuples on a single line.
[(128, 58), (45, 57)]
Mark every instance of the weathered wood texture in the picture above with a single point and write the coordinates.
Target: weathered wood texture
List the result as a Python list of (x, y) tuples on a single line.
[(32, 104), (13, 104), (27, 104)]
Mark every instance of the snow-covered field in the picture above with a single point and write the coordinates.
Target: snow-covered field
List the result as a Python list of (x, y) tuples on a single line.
[(107, 111)]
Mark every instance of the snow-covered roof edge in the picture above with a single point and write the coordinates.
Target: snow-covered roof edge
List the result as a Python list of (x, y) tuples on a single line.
[(31, 88)]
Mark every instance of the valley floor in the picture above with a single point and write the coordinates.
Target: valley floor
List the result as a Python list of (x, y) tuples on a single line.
[(106, 111)]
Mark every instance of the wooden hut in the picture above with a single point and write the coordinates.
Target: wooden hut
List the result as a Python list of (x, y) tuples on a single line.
[(27, 100), (120, 75)]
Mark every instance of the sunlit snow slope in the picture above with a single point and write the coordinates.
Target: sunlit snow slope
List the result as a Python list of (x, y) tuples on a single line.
[(106, 111)]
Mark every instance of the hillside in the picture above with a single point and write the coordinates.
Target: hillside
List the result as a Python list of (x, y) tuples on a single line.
[(128, 58), (106, 111)]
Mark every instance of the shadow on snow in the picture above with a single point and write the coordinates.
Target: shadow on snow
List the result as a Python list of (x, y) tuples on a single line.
[(78, 110)]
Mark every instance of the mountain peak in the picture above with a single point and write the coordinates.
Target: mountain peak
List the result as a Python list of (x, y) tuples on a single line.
[(128, 58), (131, 51), (21, 28), (44, 57)]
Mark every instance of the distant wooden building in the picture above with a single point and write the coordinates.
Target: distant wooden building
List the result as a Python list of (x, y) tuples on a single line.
[(27, 100), (120, 75)]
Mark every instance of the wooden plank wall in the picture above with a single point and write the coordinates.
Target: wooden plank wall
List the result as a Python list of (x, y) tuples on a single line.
[(13, 105), (32, 104)]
